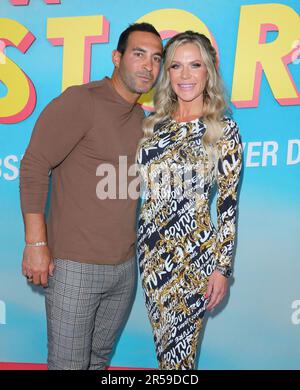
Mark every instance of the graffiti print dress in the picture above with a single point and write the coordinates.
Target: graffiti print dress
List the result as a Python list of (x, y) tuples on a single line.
[(178, 246)]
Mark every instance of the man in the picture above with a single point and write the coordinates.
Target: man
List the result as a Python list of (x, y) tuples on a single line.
[(85, 255)]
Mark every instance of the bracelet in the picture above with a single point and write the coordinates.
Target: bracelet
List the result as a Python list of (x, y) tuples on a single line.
[(39, 243), (224, 270)]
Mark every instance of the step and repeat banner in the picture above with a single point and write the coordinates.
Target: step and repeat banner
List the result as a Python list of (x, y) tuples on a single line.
[(46, 46)]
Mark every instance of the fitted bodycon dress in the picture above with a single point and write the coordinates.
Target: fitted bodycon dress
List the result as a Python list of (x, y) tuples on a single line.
[(178, 246)]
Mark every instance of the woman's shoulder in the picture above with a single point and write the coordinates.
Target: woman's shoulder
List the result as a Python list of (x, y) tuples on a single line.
[(230, 128), (159, 125)]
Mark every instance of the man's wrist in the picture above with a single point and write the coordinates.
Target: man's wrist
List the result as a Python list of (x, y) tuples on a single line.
[(37, 243)]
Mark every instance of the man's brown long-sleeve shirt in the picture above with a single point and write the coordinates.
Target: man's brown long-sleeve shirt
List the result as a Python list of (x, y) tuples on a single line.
[(84, 127)]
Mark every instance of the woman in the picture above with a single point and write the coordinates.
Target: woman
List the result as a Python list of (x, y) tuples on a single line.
[(189, 145)]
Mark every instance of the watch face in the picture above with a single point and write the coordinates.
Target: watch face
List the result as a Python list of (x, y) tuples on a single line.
[(228, 272)]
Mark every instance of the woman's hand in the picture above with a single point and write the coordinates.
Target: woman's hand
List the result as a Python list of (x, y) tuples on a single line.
[(216, 289)]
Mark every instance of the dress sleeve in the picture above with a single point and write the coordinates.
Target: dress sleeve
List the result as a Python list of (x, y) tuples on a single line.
[(228, 175)]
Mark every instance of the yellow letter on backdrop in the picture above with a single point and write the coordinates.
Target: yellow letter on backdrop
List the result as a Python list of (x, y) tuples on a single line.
[(253, 54), (20, 99), (77, 34)]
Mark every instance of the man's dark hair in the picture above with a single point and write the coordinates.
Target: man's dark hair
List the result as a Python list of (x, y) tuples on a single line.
[(145, 27)]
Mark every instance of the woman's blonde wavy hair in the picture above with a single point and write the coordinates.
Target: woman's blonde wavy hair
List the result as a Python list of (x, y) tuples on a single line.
[(214, 102)]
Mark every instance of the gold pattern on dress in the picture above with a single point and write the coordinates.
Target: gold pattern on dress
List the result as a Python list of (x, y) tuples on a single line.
[(178, 245)]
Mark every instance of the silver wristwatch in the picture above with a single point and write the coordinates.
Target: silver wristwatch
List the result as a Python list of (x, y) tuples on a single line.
[(224, 270)]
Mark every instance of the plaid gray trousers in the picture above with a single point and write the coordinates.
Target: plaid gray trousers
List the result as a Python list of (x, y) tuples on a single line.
[(86, 307)]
